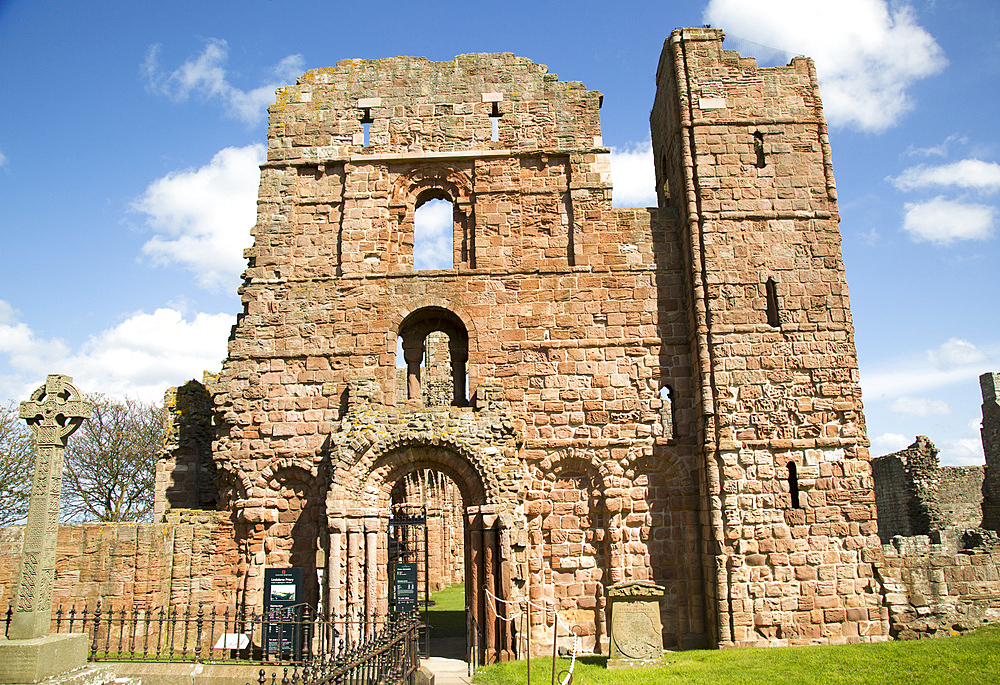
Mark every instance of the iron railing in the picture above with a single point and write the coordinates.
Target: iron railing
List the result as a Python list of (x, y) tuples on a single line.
[(389, 657), (211, 634)]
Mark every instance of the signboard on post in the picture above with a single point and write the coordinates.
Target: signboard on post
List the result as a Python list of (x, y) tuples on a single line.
[(283, 612), (406, 586)]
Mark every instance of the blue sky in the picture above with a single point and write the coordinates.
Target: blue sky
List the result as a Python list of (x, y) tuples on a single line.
[(130, 134)]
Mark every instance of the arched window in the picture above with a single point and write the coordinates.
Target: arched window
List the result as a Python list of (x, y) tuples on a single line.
[(434, 232), (435, 348)]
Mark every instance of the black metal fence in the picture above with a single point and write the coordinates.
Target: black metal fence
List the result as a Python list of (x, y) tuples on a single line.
[(210, 634), (390, 657)]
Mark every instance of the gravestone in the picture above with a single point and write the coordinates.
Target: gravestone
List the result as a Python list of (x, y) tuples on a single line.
[(29, 653), (636, 629)]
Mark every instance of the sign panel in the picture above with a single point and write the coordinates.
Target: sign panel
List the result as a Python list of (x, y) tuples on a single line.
[(406, 586), (283, 612)]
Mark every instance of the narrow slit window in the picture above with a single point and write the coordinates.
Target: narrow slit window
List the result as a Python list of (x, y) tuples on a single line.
[(667, 412), (366, 123), (495, 122), (773, 314), (758, 148), (793, 484)]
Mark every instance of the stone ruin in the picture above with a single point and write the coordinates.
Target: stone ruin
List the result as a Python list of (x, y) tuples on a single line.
[(587, 397), (939, 525), (664, 394)]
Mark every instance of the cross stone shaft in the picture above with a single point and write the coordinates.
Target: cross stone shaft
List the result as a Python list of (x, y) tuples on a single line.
[(53, 413)]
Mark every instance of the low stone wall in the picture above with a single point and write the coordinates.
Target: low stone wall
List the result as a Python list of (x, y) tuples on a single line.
[(188, 559), (934, 587)]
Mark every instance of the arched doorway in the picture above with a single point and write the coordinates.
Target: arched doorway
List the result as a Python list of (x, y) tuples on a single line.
[(360, 549)]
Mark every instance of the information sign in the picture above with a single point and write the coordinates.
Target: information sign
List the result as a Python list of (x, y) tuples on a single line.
[(406, 586), (283, 612)]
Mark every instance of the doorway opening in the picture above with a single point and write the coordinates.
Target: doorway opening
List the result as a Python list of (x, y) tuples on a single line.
[(427, 542)]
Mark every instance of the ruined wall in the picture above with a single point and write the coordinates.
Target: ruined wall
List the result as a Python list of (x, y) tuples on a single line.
[(742, 153), (990, 384), (188, 559), (915, 495), (940, 588), (185, 469), (575, 309)]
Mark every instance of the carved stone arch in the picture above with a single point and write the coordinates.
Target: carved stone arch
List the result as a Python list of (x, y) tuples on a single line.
[(351, 473), (452, 181), (402, 313), (395, 464), (657, 463), (608, 472), (427, 182), (570, 540), (278, 464)]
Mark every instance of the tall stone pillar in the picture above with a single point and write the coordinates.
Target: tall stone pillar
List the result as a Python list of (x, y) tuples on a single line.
[(990, 384), (29, 653)]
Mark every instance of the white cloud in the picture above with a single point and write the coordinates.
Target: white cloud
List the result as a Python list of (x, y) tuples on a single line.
[(433, 229), (140, 357), (633, 176), (3, 159), (942, 221), (202, 217), (955, 352), (920, 406), (887, 443), (961, 452), (937, 150), (867, 53), (205, 76), (971, 174)]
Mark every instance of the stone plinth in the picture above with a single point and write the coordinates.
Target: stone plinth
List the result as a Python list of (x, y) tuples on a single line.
[(636, 629), (38, 658)]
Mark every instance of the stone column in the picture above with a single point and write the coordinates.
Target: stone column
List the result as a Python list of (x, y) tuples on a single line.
[(337, 570), (354, 539), (475, 590), (489, 582), (53, 413), (990, 384), (413, 354), (371, 573)]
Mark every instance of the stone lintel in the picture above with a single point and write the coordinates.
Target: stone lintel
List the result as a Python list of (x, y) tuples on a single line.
[(35, 659)]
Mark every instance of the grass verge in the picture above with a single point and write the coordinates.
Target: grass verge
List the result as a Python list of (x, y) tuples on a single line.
[(967, 659), (447, 615)]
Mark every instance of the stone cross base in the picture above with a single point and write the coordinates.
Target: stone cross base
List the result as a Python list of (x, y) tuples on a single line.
[(38, 658)]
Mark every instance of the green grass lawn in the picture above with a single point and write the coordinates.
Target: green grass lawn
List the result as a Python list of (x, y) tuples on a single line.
[(966, 659), (447, 615)]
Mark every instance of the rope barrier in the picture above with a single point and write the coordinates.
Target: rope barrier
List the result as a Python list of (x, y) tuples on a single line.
[(493, 599)]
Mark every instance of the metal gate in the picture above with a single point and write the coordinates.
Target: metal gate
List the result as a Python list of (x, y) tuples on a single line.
[(409, 588)]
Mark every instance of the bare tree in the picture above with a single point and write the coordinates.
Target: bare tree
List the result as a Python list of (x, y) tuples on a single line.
[(17, 452), (110, 462)]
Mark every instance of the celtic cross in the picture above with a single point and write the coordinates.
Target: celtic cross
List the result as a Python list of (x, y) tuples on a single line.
[(54, 411)]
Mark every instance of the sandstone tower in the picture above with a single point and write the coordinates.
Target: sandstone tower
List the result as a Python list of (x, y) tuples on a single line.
[(665, 394)]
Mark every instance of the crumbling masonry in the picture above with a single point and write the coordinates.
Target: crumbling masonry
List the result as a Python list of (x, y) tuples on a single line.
[(665, 394), (574, 323)]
